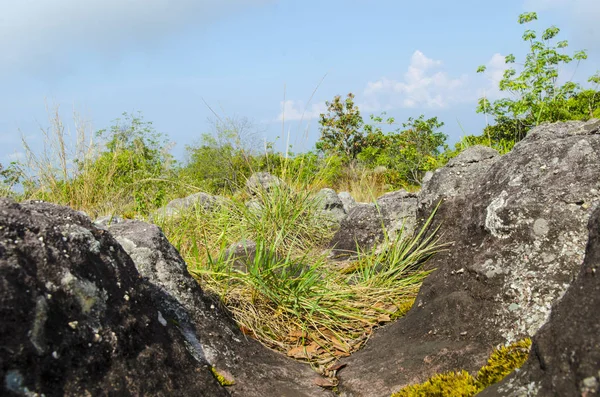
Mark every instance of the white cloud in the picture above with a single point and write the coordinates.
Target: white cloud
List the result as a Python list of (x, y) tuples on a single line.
[(44, 31), (16, 156), (422, 86), (296, 111)]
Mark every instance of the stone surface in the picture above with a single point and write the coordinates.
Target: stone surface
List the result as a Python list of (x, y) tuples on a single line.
[(242, 254), (364, 225), (105, 221), (198, 200), (263, 182), (347, 201), (565, 358), (78, 320), (461, 174), (517, 225), (331, 205), (256, 370)]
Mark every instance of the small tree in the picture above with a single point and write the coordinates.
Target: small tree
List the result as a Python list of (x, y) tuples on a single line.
[(341, 129), (537, 95)]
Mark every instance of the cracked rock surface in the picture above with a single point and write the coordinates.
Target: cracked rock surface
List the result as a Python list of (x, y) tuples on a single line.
[(517, 228), (86, 313)]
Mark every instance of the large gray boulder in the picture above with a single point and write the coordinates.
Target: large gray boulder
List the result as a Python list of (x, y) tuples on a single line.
[(517, 228), (78, 320), (566, 350), (256, 370), (366, 223)]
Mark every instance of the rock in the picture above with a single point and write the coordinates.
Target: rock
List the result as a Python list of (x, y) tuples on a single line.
[(565, 358), (242, 254), (263, 182), (331, 205), (400, 212), (461, 174), (256, 370), (105, 221), (78, 320), (347, 201), (360, 230), (200, 200), (517, 225), (255, 206), (363, 227)]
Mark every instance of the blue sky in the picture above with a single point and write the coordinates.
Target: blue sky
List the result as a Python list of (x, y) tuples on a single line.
[(259, 58)]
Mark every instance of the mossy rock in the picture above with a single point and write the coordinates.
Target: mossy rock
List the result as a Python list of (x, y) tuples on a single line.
[(502, 362)]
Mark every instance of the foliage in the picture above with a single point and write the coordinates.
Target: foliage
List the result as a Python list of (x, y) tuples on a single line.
[(135, 158), (537, 95), (291, 298), (223, 160), (128, 170), (502, 362), (10, 177), (341, 128), (409, 152)]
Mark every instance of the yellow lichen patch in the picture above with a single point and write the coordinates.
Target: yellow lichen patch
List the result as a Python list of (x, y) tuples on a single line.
[(223, 379), (502, 362), (459, 384)]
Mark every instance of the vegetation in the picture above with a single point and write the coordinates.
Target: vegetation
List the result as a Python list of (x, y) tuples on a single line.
[(537, 95), (502, 362), (291, 297)]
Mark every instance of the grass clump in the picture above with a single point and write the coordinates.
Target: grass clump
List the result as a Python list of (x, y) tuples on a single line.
[(502, 362), (291, 297)]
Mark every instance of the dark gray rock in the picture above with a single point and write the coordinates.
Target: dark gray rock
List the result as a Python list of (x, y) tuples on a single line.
[(256, 370), (565, 358), (364, 225), (263, 182), (78, 320), (517, 225), (462, 174), (400, 212)]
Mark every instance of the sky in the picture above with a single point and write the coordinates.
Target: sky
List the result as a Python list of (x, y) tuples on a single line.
[(182, 63)]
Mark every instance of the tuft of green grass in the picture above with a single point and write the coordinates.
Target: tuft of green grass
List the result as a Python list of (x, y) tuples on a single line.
[(292, 298)]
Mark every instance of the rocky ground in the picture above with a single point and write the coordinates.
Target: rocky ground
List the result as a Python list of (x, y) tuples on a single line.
[(91, 309)]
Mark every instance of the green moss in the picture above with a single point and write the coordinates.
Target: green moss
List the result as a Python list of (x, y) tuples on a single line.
[(442, 385), (222, 379), (502, 362), (461, 384)]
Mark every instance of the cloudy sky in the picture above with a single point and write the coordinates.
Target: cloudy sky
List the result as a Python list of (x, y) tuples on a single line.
[(273, 61)]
